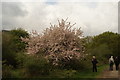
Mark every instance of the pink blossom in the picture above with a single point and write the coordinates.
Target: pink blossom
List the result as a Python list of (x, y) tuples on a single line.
[(57, 42)]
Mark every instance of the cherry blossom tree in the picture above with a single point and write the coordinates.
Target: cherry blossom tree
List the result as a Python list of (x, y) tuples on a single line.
[(60, 42)]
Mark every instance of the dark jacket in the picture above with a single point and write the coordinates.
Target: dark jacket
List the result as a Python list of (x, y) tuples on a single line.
[(94, 61), (116, 61)]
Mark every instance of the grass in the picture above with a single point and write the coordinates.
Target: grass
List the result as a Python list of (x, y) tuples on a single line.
[(77, 74), (89, 73), (19, 73)]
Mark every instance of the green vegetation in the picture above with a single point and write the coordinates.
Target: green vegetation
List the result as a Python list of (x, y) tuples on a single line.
[(109, 39), (103, 46), (89, 74), (18, 64), (11, 45)]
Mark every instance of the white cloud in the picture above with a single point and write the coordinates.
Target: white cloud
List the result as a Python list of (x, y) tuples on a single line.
[(93, 18)]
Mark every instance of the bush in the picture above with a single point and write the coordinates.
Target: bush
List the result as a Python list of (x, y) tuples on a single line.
[(6, 71), (57, 42), (16, 42), (36, 65), (8, 54), (11, 45), (101, 52), (20, 57)]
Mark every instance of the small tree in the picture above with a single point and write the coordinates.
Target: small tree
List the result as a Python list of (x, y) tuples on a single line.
[(59, 43)]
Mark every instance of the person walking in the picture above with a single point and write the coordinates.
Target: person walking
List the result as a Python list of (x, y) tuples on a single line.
[(119, 62), (111, 63), (116, 63), (94, 62)]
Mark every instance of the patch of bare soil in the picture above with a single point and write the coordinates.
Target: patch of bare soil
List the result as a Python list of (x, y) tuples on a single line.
[(110, 74)]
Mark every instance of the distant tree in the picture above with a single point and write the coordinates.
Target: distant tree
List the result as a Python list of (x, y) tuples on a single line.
[(19, 32), (110, 39), (88, 39)]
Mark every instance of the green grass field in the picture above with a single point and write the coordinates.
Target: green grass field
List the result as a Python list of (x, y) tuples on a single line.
[(89, 73)]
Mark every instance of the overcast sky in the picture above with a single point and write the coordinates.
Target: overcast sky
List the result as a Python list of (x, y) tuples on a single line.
[(93, 17)]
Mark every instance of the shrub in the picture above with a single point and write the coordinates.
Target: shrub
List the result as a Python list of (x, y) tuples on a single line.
[(6, 71), (102, 52), (36, 65), (8, 54), (59, 42), (12, 44), (20, 57)]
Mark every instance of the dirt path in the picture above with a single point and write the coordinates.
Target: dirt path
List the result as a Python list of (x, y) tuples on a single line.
[(110, 74)]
